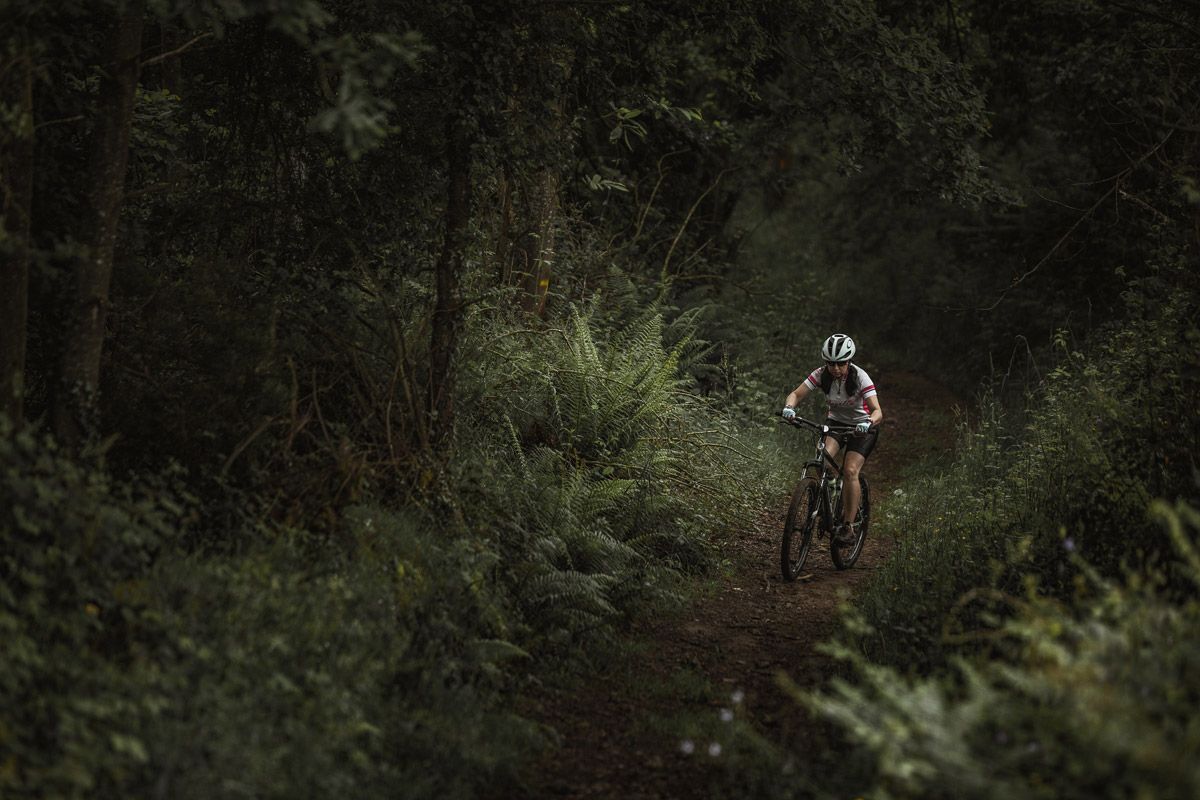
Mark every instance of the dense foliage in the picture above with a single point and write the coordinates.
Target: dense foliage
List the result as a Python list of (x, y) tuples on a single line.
[(360, 362)]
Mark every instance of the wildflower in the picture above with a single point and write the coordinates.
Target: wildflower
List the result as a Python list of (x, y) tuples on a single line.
[(737, 697), (1069, 544), (726, 715), (714, 749), (687, 747)]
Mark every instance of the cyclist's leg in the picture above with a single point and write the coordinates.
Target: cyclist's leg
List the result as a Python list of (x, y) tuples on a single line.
[(851, 492), (858, 448), (831, 449)]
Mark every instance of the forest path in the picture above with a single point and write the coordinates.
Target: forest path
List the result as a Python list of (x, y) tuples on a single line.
[(621, 728)]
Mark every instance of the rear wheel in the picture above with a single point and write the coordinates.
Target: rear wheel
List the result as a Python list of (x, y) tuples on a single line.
[(844, 556), (802, 519)]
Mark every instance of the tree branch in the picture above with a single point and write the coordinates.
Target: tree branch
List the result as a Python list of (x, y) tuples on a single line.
[(1062, 240), (1146, 12), (667, 261), (177, 51), (1114, 189), (59, 121)]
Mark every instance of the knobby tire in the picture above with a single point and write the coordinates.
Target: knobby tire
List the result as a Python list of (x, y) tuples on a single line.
[(802, 519), (844, 557)]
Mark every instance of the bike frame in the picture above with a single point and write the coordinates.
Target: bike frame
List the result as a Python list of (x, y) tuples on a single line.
[(823, 462)]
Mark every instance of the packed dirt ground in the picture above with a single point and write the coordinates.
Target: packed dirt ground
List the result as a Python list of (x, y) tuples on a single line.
[(726, 652)]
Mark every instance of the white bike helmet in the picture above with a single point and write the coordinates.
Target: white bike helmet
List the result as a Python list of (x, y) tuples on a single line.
[(838, 347)]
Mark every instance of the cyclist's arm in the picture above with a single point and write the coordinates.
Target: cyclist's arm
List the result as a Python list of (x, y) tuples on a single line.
[(875, 411), (797, 396)]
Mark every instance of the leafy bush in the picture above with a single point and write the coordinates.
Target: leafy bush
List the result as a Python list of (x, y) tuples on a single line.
[(352, 678), (74, 693), (1090, 700), (295, 668)]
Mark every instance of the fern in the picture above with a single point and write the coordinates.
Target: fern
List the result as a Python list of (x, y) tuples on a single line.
[(601, 484)]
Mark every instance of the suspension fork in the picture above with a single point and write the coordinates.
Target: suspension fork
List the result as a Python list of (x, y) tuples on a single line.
[(818, 470), (829, 471)]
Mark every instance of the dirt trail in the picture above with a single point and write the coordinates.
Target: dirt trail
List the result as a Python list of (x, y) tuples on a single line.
[(751, 626)]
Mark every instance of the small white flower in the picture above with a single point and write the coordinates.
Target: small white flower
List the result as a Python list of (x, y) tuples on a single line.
[(687, 747), (726, 715), (737, 697), (714, 749)]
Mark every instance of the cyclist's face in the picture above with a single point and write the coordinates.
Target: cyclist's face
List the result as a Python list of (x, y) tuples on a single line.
[(838, 369)]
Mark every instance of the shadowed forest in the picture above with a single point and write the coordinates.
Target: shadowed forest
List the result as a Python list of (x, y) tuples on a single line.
[(379, 379)]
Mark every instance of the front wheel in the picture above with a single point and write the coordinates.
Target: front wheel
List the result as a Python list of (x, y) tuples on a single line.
[(802, 518), (844, 556)]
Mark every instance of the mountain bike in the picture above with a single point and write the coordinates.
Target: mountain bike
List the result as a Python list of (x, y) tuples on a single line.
[(816, 506)]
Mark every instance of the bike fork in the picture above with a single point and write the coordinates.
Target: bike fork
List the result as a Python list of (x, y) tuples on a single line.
[(824, 509)]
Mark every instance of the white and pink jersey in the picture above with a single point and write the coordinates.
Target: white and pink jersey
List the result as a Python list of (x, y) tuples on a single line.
[(844, 407)]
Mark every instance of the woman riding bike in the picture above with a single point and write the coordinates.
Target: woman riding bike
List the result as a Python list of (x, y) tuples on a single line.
[(852, 400)]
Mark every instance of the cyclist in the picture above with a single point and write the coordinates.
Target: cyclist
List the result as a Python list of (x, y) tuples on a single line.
[(852, 400)]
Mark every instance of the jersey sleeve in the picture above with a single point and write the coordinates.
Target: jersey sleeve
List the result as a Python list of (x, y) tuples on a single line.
[(868, 385), (813, 381)]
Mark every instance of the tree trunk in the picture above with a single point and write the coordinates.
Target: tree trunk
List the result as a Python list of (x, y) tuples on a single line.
[(171, 68), (535, 251), (502, 250), (79, 374), (16, 197), (536, 248), (447, 313)]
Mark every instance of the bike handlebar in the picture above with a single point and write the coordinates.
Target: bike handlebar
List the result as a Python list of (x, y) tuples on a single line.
[(820, 427)]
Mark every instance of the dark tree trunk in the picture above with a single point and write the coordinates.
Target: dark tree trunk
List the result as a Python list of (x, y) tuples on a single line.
[(503, 249), (447, 312), (172, 68), (79, 375), (16, 196), (535, 250)]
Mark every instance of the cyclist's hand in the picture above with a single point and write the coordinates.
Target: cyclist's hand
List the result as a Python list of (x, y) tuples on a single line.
[(788, 412), (862, 427)]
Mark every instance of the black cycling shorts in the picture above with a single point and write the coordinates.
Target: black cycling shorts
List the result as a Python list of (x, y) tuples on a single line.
[(861, 443)]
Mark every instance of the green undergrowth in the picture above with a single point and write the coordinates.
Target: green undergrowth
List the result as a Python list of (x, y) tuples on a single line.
[(156, 648), (1091, 698), (1104, 435), (598, 475), (132, 668)]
